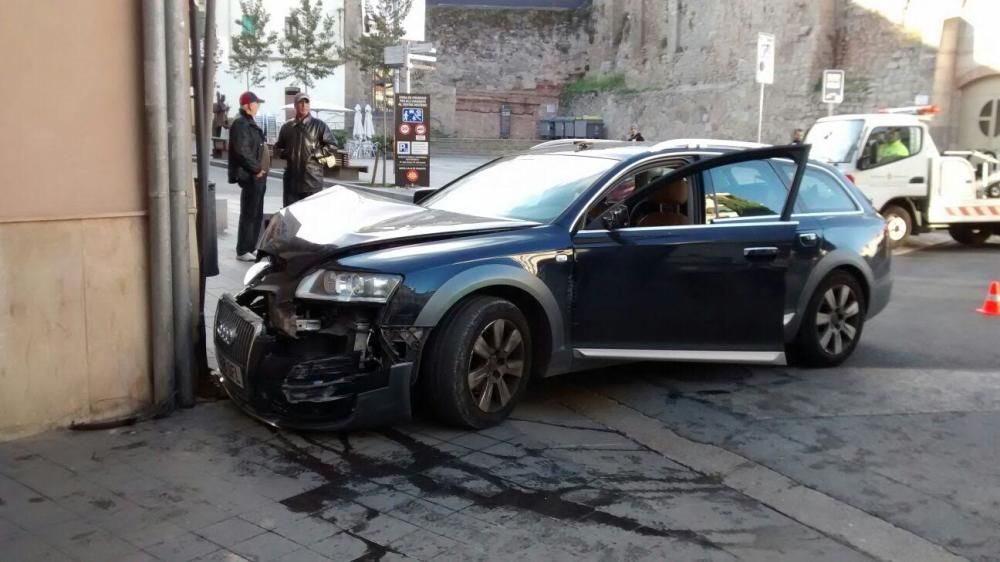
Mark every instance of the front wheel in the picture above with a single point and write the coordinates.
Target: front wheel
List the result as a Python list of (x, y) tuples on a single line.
[(899, 224), (833, 321), (478, 363), (970, 235)]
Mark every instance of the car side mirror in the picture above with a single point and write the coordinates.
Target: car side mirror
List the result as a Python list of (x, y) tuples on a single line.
[(616, 217), (422, 194)]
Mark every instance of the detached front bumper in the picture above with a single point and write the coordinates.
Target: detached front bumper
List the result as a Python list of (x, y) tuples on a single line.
[(283, 388)]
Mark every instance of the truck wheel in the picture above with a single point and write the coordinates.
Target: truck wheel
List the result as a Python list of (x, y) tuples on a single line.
[(993, 191), (832, 323), (969, 234), (478, 363), (899, 223)]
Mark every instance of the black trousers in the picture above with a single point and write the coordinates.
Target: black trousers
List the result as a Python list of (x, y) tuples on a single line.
[(251, 214), (292, 197)]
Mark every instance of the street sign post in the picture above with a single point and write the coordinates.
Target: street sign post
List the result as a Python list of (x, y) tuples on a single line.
[(412, 153), (833, 88), (765, 72)]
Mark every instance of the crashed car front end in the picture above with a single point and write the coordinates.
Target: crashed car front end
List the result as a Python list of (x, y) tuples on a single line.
[(312, 351)]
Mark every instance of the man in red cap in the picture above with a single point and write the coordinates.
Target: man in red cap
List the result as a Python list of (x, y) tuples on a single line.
[(249, 160)]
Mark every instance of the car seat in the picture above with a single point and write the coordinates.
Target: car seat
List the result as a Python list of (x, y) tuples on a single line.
[(672, 201)]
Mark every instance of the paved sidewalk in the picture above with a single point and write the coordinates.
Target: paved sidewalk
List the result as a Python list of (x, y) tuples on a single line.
[(211, 484)]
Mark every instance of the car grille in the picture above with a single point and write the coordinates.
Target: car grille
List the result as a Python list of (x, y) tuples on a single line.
[(236, 330)]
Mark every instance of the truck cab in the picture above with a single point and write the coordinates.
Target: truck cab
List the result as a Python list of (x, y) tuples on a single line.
[(891, 157), (887, 156)]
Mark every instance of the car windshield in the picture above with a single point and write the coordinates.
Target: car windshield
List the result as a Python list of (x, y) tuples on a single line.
[(834, 141), (530, 187)]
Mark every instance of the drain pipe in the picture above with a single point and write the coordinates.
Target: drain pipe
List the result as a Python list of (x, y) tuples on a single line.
[(179, 141), (158, 182)]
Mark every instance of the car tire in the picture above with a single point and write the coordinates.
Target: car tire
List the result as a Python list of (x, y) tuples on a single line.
[(478, 363), (899, 224), (970, 235), (833, 322)]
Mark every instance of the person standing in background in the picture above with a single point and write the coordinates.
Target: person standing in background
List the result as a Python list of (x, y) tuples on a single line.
[(634, 135), (220, 113), (302, 142), (249, 160)]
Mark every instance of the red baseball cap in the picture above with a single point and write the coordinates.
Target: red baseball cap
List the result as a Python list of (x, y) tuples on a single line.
[(246, 98)]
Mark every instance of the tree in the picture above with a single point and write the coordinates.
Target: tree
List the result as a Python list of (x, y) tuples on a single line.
[(252, 46), (309, 47), (383, 28)]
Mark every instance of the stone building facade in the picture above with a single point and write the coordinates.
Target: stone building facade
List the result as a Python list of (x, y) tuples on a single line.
[(685, 68)]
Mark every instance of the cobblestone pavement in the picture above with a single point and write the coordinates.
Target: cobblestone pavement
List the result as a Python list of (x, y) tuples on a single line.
[(210, 484)]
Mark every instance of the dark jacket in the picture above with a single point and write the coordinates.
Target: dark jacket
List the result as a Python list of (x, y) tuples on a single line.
[(246, 144), (301, 143)]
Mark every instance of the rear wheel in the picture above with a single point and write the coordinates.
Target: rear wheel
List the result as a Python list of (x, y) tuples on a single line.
[(969, 234), (833, 321), (993, 190), (478, 363), (899, 224)]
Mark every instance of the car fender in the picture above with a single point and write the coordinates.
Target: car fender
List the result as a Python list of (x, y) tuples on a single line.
[(493, 275), (831, 261)]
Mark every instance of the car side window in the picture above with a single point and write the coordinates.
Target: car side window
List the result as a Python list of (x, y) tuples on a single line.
[(889, 144), (622, 189), (819, 192), (744, 189)]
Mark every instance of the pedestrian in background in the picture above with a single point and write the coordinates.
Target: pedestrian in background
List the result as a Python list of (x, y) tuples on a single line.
[(302, 142), (249, 160), (220, 114), (634, 135), (798, 135)]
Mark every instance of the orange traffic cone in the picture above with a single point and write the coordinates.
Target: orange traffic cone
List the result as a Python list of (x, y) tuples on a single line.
[(991, 306)]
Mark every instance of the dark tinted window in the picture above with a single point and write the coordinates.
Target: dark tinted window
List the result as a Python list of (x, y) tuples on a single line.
[(819, 192)]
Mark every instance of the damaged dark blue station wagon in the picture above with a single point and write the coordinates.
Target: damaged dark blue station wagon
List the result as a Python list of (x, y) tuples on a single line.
[(556, 260)]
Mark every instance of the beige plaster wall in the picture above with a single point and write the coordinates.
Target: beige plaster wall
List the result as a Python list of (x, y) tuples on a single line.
[(74, 305)]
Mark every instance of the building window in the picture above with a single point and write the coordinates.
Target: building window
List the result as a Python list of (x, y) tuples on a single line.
[(989, 118)]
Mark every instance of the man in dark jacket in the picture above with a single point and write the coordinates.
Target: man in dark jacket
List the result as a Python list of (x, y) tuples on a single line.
[(249, 160), (302, 142)]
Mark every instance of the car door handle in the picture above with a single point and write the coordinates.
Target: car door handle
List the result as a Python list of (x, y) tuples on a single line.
[(808, 239), (761, 253), (917, 179)]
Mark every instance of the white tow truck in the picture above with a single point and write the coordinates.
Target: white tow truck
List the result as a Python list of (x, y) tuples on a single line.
[(892, 158)]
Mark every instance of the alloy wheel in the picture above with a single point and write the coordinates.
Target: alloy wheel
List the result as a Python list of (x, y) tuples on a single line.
[(837, 319), (496, 365)]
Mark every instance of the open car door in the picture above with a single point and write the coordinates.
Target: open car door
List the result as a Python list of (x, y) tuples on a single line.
[(680, 270)]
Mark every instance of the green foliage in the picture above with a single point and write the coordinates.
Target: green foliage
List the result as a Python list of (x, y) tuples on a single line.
[(594, 84), (251, 48), (309, 46), (385, 28), (341, 136)]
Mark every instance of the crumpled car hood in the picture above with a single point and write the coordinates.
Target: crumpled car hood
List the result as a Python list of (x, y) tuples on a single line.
[(341, 218)]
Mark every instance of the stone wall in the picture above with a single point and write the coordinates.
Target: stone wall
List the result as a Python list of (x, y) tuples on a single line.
[(488, 57), (685, 68), (689, 66)]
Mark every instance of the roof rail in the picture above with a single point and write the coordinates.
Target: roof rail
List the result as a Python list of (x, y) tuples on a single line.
[(578, 144), (705, 143)]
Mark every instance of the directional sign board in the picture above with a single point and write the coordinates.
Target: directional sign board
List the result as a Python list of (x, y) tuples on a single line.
[(412, 155), (833, 86), (765, 58)]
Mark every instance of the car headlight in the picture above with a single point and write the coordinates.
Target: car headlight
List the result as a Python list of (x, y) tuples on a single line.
[(256, 270), (347, 286)]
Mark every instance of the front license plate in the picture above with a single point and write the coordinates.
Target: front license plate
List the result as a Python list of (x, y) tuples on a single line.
[(231, 371)]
